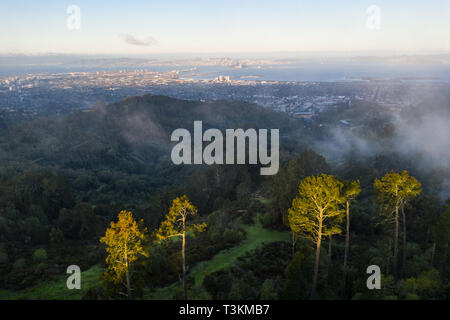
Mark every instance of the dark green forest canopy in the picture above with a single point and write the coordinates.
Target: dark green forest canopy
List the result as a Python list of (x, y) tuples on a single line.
[(63, 180), (130, 137)]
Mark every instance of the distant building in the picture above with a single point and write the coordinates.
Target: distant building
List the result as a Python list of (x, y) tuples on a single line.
[(222, 79), (304, 115)]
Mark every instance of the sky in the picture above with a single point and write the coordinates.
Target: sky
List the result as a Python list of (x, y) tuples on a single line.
[(210, 26)]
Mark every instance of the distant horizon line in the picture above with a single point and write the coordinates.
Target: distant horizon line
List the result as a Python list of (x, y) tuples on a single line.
[(234, 53)]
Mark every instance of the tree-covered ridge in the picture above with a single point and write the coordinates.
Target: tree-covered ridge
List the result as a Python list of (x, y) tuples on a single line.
[(123, 141)]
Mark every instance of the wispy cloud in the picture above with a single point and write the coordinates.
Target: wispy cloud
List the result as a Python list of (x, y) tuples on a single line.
[(147, 42)]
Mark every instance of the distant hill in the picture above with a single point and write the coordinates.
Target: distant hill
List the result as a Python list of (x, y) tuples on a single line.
[(129, 137), (140, 125)]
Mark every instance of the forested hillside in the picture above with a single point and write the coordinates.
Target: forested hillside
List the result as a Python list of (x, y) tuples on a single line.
[(63, 181)]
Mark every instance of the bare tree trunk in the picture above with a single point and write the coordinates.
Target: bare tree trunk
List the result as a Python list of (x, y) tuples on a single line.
[(388, 258), (330, 241), (127, 276), (294, 240), (184, 265), (404, 241), (396, 243), (129, 293), (433, 252), (347, 245), (316, 264)]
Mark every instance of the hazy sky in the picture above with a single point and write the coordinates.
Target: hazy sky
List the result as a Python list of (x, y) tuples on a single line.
[(210, 26)]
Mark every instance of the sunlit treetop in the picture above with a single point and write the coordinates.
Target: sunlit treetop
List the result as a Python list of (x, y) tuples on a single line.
[(125, 240), (175, 222), (397, 188), (316, 211), (351, 189)]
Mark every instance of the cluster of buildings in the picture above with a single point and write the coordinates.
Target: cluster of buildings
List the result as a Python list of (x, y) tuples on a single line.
[(54, 94), (304, 107), (222, 79)]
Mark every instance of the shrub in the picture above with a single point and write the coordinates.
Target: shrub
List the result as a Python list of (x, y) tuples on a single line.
[(40, 255)]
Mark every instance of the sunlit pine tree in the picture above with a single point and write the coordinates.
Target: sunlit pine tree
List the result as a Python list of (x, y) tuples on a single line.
[(392, 192), (126, 241), (316, 213), (176, 224)]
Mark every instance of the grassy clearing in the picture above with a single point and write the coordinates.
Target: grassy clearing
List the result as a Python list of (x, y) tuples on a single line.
[(256, 236), (57, 289), (264, 200), (165, 293)]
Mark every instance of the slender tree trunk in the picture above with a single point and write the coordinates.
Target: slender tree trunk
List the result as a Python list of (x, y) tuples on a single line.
[(130, 296), (396, 243), (127, 276), (330, 243), (294, 240), (433, 252), (388, 258), (404, 241), (316, 264), (347, 245), (183, 257)]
